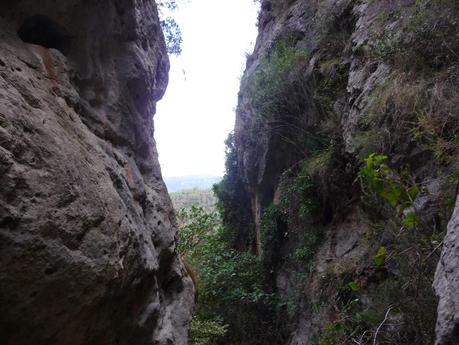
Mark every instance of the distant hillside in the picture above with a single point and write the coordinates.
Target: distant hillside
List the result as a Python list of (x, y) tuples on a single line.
[(177, 183), (204, 198)]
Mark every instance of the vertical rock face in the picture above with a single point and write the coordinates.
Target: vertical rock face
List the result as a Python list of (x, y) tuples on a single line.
[(87, 230), (329, 83), (447, 285)]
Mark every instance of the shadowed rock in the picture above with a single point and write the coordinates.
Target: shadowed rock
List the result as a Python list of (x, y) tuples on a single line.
[(87, 230)]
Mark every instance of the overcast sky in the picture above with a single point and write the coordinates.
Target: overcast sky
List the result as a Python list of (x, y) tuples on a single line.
[(197, 112)]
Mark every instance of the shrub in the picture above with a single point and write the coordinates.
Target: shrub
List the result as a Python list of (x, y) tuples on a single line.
[(229, 284), (234, 203), (271, 236), (298, 199), (207, 332), (395, 302)]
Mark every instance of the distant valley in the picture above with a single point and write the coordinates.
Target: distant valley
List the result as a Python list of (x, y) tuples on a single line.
[(177, 183)]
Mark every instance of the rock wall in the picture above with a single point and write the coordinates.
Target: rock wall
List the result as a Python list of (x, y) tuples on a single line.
[(329, 83), (87, 230), (447, 285)]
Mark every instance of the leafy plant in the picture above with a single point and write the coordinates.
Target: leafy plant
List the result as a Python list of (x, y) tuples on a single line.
[(332, 332), (354, 286), (207, 332), (377, 175), (269, 82), (297, 194), (229, 288), (271, 236), (234, 203), (411, 220), (198, 226), (380, 257)]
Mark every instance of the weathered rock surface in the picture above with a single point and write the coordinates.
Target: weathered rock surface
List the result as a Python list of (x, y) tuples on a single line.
[(447, 285), (367, 69), (87, 230)]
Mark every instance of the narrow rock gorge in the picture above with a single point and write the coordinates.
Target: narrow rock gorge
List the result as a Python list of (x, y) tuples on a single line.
[(87, 230), (338, 214), (342, 172)]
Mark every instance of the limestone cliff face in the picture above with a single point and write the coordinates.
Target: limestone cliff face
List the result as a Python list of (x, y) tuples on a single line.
[(329, 83), (87, 230)]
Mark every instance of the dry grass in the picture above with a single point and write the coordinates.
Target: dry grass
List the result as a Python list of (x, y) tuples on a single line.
[(412, 112)]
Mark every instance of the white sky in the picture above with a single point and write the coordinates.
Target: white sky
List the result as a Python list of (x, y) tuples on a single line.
[(197, 112)]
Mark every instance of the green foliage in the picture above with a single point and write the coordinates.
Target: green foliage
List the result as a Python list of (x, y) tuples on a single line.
[(207, 332), (308, 247), (354, 286), (269, 84), (299, 210), (229, 288), (226, 275), (332, 85), (411, 220), (380, 258), (333, 332), (298, 195), (396, 190), (233, 203), (400, 284), (271, 236), (358, 308), (198, 226)]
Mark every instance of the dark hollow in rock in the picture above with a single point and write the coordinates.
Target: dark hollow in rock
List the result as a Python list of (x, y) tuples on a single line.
[(43, 31)]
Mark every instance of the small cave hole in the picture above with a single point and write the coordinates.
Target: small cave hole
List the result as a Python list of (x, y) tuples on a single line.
[(43, 31)]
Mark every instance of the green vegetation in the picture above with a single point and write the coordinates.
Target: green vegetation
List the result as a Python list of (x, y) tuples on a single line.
[(300, 209), (391, 298), (194, 197), (398, 190), (231, 300), (272, 84), (206, 332), (234, 203), (395, 192), (271, 236), (298, 194)]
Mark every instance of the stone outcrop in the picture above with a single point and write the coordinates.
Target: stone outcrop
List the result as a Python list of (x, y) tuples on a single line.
[(447, 285), (87, 230)]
